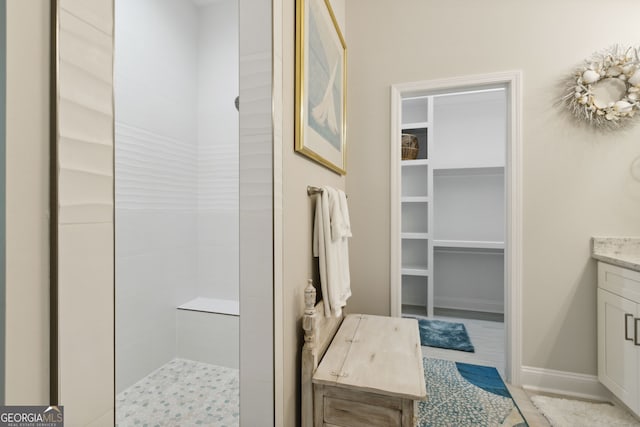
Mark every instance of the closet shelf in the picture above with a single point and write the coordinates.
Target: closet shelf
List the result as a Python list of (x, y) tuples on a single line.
[(470, 244), (424, 236), (415, 271), (417, 162), (469, 170), (415, 125), (415, 199)]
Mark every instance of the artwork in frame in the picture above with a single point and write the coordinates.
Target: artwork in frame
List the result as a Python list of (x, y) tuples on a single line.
[(321, 55)]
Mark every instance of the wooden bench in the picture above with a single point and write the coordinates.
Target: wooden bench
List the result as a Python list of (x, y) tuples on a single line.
[(361, 370)]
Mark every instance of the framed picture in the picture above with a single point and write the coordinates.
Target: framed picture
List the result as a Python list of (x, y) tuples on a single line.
[(321, 55)]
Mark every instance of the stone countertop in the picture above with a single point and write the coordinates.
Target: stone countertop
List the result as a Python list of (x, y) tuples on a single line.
[(620, 251)]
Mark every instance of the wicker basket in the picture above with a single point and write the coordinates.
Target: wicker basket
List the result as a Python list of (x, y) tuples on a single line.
[(409, 146)]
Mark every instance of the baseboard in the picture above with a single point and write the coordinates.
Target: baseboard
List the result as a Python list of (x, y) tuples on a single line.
[(564, 383), (488, 306)]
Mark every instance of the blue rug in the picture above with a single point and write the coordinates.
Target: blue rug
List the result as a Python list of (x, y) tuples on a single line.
[(464, 395), (441, 334)]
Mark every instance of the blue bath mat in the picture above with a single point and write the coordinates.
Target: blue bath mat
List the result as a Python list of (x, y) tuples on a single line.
[(464, 395), (441, 334)]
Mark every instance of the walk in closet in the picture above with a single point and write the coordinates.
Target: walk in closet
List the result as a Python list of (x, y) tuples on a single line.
[(453, 201)]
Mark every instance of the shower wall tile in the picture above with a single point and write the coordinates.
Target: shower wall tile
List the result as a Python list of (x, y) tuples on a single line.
[(85, 211), (218, 254), (155, 171), (156, 270), (85, 47), (98, 13), (83, 188), (156, 165), (218, 161), (81, 123), (85, 123), (148, 231), (209, 338), (218, 121), (256, 213), (80, 86), (156, 68), (80, 155), (218, 175)]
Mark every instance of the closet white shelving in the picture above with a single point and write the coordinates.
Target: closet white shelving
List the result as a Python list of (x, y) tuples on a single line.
[(469, 203), (453, 203), (417, 206)]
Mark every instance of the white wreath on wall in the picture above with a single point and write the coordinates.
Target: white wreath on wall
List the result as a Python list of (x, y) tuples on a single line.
[(620, 65)]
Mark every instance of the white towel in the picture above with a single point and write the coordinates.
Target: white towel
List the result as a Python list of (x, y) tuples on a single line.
[(339, 214), (331, 231)]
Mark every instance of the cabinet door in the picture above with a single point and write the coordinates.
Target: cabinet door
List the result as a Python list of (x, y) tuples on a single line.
[(617, 354)]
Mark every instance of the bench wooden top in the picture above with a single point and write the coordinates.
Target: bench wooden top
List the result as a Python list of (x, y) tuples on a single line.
[(375, 354)]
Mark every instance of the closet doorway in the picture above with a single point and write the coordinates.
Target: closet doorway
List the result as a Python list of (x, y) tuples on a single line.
[(455, 210)]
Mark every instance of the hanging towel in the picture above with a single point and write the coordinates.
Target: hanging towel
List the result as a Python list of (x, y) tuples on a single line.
[(331, 231)]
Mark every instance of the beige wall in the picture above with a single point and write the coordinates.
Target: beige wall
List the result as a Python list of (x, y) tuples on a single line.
[(577, 182), (27, 203), (298, 208)]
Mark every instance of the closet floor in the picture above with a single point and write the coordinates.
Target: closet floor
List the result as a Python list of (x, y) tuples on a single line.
[(487, 337), (182, 393)]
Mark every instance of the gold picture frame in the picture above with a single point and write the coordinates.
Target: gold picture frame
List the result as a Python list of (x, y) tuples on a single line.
[(321, 77)]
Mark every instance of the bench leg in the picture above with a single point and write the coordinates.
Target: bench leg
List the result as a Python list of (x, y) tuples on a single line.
[(409, 412), (318, 405)]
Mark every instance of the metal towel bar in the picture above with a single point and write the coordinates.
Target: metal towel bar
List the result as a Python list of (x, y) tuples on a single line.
[(311, 190)]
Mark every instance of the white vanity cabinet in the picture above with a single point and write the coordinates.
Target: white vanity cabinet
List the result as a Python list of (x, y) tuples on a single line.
[(619, 332)]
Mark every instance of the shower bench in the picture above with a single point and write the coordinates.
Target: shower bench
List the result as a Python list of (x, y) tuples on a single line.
[(360, 370)]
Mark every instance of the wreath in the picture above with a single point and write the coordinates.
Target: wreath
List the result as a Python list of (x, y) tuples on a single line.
[(614, 63)]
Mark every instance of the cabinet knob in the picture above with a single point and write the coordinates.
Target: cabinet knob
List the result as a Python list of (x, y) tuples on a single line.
[(635, 332), (626, 327)]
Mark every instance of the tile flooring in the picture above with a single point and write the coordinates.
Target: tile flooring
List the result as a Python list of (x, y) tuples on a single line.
[(188, 393), (182, 393), (488, 337)]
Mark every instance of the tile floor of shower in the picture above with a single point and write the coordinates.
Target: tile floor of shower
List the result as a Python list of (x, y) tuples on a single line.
[(182, 393)]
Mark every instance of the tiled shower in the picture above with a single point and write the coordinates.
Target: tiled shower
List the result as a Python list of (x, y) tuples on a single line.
[(176, 187)]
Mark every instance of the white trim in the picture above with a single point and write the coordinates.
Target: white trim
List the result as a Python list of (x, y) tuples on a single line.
[(513, 252), (395, 192), (564, 383)]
